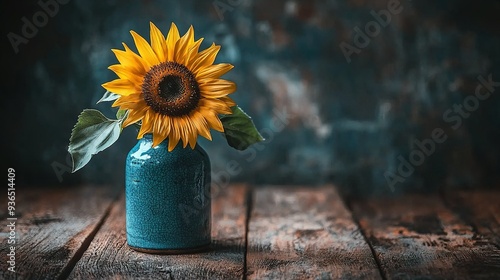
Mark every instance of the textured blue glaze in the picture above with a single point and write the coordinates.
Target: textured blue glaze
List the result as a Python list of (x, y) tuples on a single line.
[(167, 196)]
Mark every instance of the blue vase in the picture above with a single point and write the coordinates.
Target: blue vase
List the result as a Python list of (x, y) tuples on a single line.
[(167, 198)]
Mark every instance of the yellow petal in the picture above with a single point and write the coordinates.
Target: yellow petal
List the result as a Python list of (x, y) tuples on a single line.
[(120, 86), (213, 120), (214, 71), (145, 50), (192, 133), (158, 42), (192, 142), (215, 105), (130, 101), (159, 134), (125, 73), (185, 131), (158, 138), (145, 128), (147, 125), (191, 53), (172, 38), (174, 136), (133, 117), (228, 101), (204, 58), (131, 60), (183, 45), (201, 125), (161, 125), (216, 88)]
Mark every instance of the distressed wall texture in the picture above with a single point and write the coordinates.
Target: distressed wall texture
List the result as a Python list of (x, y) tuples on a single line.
[(376, 96)]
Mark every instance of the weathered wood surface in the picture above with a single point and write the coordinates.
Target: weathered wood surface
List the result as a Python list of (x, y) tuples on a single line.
[(293, 233), (481, 209), (53, 228), (417, 236), (109, 256), (305, 234)]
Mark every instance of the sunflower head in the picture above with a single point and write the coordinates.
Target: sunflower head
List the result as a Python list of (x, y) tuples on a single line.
[(171, 88)]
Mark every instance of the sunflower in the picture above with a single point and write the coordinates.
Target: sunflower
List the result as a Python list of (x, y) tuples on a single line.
[(171, 88)]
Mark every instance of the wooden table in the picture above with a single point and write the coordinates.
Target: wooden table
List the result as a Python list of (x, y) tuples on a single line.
[(263, 233)]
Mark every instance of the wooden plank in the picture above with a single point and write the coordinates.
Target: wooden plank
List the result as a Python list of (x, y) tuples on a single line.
[(481, 209), (53, 226), (109, 256), (300, 233), (418, 236)]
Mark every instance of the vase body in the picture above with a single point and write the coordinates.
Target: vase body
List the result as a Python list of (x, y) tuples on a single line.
[(167, 198)]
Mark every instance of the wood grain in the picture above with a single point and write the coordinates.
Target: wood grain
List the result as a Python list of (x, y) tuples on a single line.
[(417, 236), (53, 226), (299, 233), (109, 256), (481, 209)]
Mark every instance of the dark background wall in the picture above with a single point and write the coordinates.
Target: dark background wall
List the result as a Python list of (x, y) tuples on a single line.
[(328, 117)]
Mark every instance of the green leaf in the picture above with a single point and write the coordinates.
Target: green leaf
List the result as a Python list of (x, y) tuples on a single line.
[(108, 96), (120, 114), (92, 134), (240, 130)]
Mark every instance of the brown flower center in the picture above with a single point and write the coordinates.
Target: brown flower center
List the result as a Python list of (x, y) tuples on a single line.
[(171, 89)]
